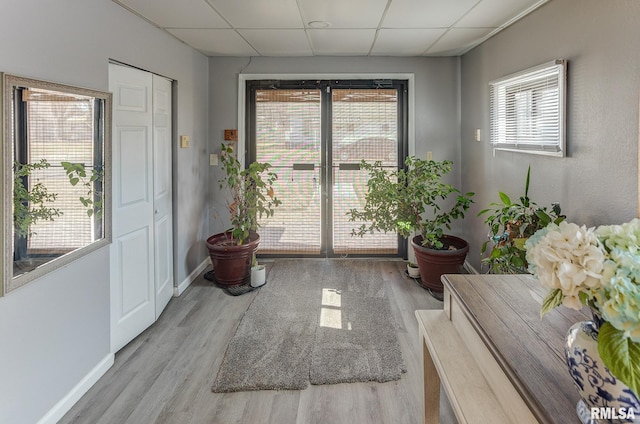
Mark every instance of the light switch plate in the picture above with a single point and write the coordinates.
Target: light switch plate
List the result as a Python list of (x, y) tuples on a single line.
[(184, 141)]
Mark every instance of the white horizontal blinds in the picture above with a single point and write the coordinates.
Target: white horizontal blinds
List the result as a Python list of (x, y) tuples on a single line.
[(364, 126), (60, 128), (527, 109), (288, 137)]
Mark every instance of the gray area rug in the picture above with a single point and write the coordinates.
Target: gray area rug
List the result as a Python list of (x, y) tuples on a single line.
[(319, 321)]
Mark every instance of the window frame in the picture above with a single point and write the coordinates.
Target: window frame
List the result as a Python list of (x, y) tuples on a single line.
[(8, 84), (503, 98)]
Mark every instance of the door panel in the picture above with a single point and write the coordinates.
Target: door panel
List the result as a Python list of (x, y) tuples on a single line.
[(364, 127), (133, 304), (288, 137), (132, 153), (162, 193), (132, 251)]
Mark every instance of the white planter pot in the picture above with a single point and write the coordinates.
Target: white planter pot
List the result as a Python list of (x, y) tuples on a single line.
[(258, 275), (413, 272)]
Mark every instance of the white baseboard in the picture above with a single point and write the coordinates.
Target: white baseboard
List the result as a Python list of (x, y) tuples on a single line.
[(67, 402), (177, 291)]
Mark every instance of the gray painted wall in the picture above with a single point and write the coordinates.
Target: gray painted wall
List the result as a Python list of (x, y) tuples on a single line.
[(437, 115), (55, 330), (598, 182)]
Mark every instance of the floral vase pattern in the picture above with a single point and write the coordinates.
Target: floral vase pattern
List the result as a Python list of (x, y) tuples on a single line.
[(597, 387)]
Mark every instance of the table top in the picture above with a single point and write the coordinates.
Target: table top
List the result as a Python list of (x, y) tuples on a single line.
[(505, 311)]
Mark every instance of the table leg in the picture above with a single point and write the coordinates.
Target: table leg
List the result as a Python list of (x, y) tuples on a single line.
[(431, 387)]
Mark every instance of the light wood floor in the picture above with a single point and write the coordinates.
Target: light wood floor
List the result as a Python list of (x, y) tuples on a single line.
[(165, 374)]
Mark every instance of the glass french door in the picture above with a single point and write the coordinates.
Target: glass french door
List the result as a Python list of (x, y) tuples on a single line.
[(315, 135)]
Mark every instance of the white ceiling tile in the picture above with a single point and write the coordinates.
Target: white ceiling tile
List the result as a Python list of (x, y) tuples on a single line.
[(277, 27), (215, 42), (344, 14), (457, 40), (341, 41), (259, 13), (278, 42), (174, 14), (426, 13), (496, 13), (405, 42)]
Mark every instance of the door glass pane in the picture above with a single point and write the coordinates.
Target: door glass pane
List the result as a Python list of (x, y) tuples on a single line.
[(288, 137), (365, 126)]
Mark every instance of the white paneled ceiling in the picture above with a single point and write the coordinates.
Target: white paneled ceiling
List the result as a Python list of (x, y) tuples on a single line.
[(332, 27)]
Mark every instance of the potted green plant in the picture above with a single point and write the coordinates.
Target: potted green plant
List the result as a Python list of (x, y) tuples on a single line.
[(252, 197), (510, 224), (31, 202), (411, 200)]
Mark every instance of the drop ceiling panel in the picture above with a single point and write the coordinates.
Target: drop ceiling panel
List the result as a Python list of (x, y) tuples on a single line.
[(259, 13), (174, 14), (426, 13), (278, 42), (458, 40), (405, 42), (277, 27), (344, 14), (496, 13), (215, 42), (341, 41)]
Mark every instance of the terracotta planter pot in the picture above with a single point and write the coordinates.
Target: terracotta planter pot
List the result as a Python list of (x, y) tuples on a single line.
[(433, 263), (232, 263)]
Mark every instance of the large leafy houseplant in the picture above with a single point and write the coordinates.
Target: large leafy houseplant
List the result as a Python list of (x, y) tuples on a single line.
[(511, 223), (252, 194), (410, 200), (416, 200), (600, 268), (252, 197)]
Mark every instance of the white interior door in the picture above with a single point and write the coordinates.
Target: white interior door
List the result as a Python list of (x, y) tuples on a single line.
[(141, 252), (162, 197)]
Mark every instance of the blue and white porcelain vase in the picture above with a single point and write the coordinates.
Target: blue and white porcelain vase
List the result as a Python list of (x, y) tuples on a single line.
[(597, 386)]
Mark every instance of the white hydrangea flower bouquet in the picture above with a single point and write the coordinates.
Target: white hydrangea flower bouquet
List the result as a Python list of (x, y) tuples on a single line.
[(601, 268)]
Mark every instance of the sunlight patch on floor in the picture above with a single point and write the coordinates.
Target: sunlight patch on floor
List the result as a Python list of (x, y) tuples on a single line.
[(330, 313)]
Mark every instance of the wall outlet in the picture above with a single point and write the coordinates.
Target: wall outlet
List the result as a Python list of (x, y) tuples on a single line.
[(477, 134), (429, 155), (213, 159)]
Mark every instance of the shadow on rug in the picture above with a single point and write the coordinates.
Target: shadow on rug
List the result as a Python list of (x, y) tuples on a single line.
[(319, 321)]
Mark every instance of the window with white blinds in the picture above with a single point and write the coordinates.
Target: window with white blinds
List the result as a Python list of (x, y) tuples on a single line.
[(61, 128), (527, 110)]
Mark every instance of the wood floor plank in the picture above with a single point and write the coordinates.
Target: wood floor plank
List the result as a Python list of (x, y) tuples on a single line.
[(164, 376)]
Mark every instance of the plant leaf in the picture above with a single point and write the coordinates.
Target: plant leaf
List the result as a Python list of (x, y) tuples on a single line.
[(505, 199), (621, 355), (553, 299)]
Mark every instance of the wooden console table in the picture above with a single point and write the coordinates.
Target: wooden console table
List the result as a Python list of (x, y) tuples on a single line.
[(497, 360)]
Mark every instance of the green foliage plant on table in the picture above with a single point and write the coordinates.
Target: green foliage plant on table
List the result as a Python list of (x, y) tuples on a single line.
[(600, 268), (510, 224), (78, 175), (252, 193), (31, 204), (409, 200)]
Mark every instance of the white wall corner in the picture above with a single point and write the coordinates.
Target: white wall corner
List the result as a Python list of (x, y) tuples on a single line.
[(66, 403), (180, 288)]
